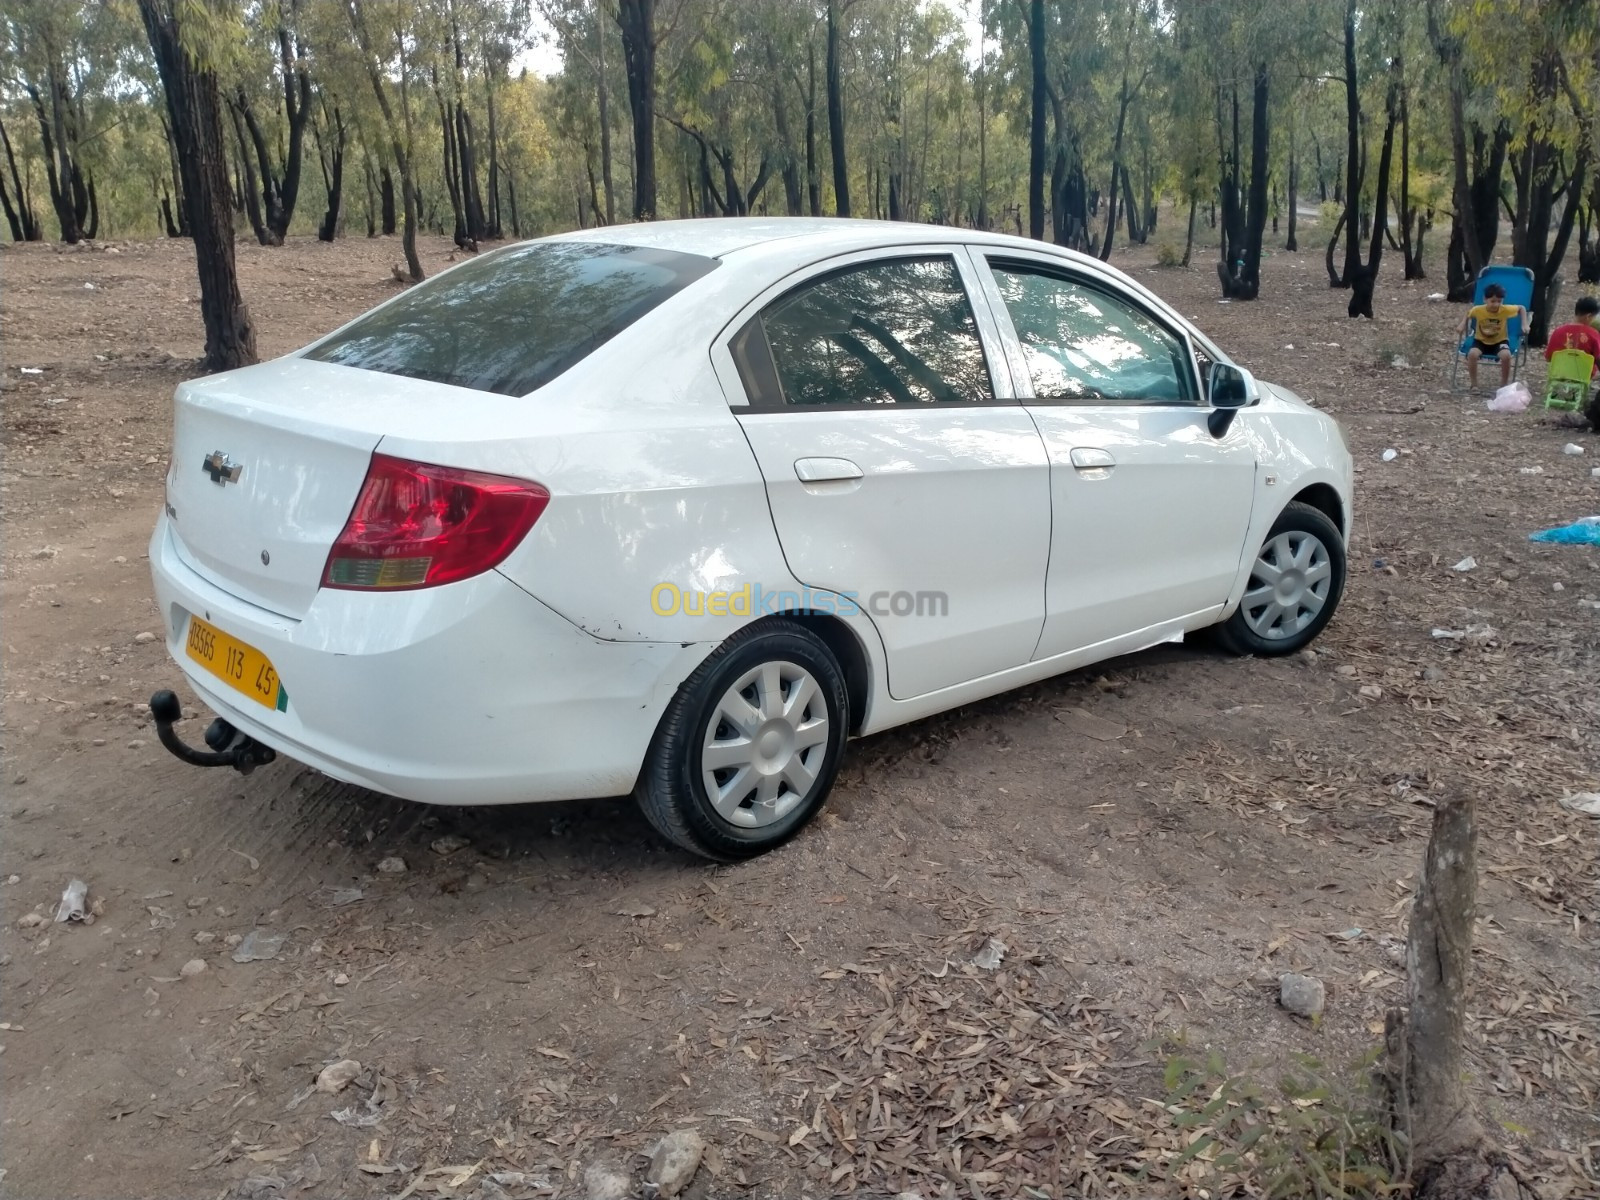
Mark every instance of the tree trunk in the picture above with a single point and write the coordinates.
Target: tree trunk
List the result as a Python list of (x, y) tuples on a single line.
[(1292, 242), (1131, 209), (637, 20), (841, 173), (1431, 1110), (11, 213), (399, 134), (386, 193), (793, 200), (1365, 280), (1116, 168), (1188, 243), (1036, 145), (248, 189), (813, 177), (1352, 162), (194, 108), (980, 218), (1245, 283), (333, 178), (25, 216), (605, 113)]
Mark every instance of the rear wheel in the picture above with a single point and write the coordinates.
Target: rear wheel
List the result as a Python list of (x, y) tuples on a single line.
[(748, 749), (1295, 585)]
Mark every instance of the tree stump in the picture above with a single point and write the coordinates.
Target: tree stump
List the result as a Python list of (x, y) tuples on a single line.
[(1448, 1152)]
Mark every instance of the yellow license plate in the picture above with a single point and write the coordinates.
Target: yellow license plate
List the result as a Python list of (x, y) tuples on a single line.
[(242, 667)]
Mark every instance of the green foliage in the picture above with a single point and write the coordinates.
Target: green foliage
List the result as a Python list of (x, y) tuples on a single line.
[(1316, 1134), (1168, 255)]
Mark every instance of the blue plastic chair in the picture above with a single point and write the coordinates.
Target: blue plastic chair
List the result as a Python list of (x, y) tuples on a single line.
[(1518, 283)]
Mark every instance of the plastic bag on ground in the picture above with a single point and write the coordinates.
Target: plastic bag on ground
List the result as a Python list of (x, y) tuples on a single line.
[(1514, 397), (1580, 533)]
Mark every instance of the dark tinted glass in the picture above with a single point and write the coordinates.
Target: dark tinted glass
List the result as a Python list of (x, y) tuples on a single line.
[(514, 319), (896, 332), (1084, 344)]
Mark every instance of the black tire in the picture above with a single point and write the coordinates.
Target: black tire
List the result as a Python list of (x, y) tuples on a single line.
[(671, 790), (1237, 635)]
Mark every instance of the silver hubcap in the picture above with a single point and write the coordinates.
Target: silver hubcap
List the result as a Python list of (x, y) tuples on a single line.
[(765, 744), (1288, 585)]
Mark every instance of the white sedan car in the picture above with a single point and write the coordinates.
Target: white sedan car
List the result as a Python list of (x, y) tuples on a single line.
[(678, 508)]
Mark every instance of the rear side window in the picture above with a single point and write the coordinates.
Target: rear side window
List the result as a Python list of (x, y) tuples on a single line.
[(514, 319), (894, 332)]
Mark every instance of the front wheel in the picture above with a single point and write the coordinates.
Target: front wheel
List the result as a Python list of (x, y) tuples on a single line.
[(1294, 588), (748, 749)]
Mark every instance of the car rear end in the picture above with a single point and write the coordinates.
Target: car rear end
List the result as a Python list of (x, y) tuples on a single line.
[(342, 603)]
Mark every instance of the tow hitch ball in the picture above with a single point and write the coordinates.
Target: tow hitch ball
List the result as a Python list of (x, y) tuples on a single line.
[(229, 747)]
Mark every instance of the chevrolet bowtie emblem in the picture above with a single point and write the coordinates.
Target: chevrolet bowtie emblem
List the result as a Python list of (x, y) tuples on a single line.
[(222, 469)]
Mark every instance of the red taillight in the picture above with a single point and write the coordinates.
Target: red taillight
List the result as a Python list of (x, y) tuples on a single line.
[(415, 525)]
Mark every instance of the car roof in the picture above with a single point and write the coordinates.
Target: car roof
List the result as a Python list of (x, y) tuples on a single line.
[(716, 237)]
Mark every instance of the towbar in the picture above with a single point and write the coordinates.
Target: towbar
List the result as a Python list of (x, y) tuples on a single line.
[(229, 747)]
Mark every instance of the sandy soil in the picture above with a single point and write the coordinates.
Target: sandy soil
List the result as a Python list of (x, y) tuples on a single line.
[(564, 989)]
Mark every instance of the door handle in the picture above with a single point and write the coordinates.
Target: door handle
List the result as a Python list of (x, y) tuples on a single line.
[(1092, 462), (825, 470)]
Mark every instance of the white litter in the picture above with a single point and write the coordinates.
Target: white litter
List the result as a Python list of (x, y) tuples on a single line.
[(1435, 296), (1587, 803), (74, 902), (1466, 564), (990, 956), (1530, 470), (1390, 455), (31, 370), (1572, 448), (1450, 635), (1400, 362)]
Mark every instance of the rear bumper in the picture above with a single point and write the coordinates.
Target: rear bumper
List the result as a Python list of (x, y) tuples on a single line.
[(471, 693)]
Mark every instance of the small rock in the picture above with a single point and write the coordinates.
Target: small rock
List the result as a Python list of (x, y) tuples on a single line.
[(1594, 472), (607, 1181), (47, 552), (1372, 691), (1432, 674), (1558, 587), (204, 938), (145, 638), (1572, 448), (135, 743), (1347, 671), (120, 559), (1511, 574), (449, 844), (233, 939), (259, 946), (30, 920), (675, 1161), (340, 979), (195, 966), (392, 865), (1301, 994), (1530, 470), (335, 1077)]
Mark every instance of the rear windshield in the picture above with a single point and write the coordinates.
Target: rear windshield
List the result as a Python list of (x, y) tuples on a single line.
[(513, 319)]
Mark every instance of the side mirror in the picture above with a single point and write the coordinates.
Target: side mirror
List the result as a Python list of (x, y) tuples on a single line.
[(1231, 388)]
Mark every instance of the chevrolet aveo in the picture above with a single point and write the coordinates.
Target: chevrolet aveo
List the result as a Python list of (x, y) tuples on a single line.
[(678, 508)]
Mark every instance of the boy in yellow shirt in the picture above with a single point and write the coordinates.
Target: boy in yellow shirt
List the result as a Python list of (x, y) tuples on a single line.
[(1490, 323)]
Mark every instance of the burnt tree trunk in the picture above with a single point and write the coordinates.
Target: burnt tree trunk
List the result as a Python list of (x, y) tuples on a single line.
[(11, 213), (248, 198), (1353, 159), (333, 179), (1188, 241), (835, 88), (1430, 1108), (1538, 191), (637, 20), (386, 200), (1116, 168), (25, 215), (1365, 279), (194, 108), (1244, 283), (1036, 143), (1292, 241)]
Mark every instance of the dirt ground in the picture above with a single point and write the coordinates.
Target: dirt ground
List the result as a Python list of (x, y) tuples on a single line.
[(563, 989)]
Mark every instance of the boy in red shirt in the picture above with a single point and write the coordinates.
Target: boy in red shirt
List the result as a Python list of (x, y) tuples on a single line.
[(1581, 333)]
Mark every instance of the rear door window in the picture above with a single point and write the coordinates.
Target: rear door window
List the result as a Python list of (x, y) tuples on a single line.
[(899, 331), (512, 320)]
